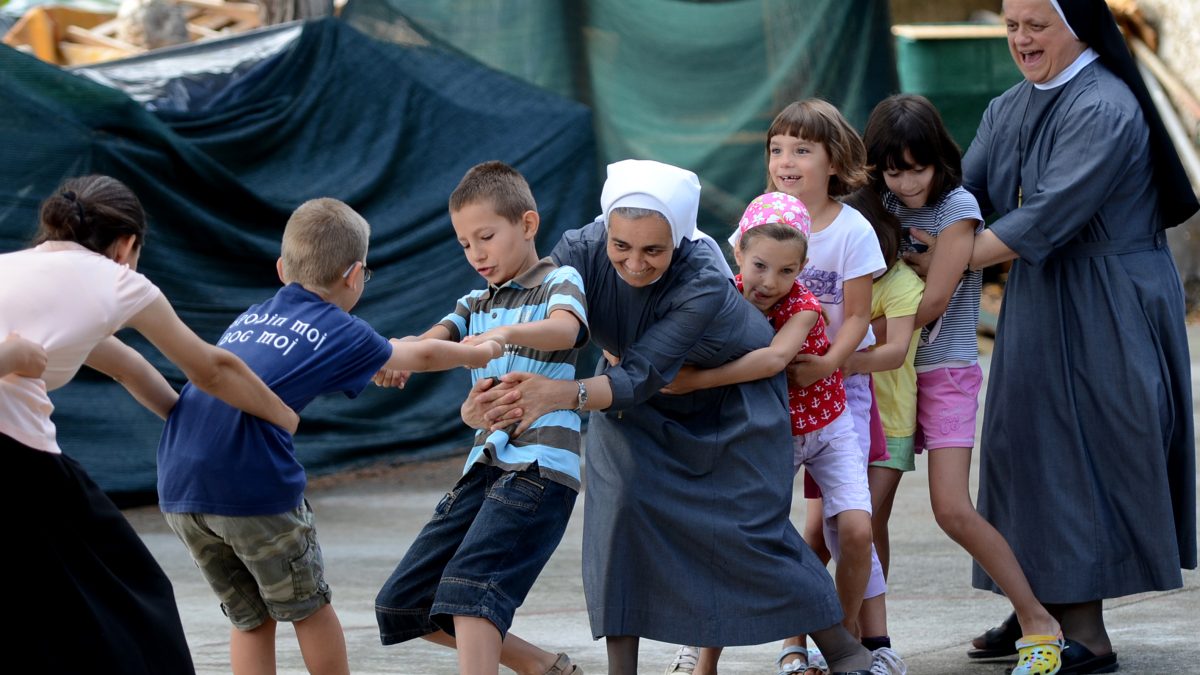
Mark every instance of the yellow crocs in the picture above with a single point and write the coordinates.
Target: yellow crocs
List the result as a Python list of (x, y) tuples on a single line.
[(1038, 655)]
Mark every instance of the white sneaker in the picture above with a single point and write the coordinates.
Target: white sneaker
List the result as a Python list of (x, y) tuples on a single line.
[(685, 660), (885, 661)]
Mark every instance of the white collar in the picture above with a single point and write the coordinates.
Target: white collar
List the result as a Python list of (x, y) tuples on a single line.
[(1070, 71)]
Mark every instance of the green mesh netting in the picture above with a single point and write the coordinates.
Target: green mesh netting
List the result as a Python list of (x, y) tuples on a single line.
[(690, 83)]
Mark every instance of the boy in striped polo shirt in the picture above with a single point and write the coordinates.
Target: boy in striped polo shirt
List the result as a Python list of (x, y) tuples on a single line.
[(471, 566)]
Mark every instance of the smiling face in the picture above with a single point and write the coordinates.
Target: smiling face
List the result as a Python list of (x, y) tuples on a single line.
[(1039, 41), (640, 250), (768, 267), (910, 184), (497, 248), (799, 167)]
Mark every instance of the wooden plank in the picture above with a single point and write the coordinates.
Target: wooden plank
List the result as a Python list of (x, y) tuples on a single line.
[(1174, 86), (199, 32), (84, 36), (242, 11), (954, 31)]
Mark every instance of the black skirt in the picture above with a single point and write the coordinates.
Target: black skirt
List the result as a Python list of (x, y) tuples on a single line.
[(89, 597)]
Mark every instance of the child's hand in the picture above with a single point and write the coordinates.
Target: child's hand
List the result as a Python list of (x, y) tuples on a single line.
[(484, 352), (612, 360), (919, 259), (391, 378), (853, 365), (806, 369), (22, 357), (499, 335), (685, 382)]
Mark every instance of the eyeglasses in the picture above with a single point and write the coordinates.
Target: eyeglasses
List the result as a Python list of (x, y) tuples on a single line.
[(366, 272)]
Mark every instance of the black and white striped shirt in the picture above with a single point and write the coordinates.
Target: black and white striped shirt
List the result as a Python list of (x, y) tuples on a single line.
[(951, 340)]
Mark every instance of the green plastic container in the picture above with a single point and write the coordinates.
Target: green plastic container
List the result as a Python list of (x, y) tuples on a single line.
[(959, 67)]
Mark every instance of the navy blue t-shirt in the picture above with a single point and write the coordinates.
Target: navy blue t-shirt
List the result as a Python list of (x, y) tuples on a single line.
[(214, 458)]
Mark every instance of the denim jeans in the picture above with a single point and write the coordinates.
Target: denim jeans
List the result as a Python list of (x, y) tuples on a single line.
[(479, 554)]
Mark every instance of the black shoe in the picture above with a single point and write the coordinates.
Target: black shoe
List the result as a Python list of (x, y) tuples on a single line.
[(999, 641), (1079, 660)]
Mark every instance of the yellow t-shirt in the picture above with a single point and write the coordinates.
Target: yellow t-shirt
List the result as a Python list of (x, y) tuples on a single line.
[(898, 293)]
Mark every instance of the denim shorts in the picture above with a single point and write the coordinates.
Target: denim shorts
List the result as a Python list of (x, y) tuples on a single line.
[(260, 567), (478, 555)]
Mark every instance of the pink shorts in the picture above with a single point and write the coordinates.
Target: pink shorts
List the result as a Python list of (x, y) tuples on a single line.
[(947, 403)]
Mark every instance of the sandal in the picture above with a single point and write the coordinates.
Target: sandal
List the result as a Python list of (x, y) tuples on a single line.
[(997, 642), (1039, 655), (563, 666), (817, 665), (1079, 660), (796, 666)]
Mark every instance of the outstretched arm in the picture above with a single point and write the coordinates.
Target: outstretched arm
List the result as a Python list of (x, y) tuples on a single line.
[(429, 355), (889, 355), (808, 368), (559, 331), (756, 365), (125, 365), (213, 370)]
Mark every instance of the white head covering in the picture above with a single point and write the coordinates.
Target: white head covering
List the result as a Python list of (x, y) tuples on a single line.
[(669, 190)]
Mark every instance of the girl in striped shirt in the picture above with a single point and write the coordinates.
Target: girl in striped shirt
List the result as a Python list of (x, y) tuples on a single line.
[(917, 169)]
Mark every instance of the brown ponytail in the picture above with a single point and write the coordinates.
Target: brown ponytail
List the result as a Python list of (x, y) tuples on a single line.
[(93, 211)]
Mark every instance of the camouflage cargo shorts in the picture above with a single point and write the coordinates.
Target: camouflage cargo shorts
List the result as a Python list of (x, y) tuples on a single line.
[(259, 566)]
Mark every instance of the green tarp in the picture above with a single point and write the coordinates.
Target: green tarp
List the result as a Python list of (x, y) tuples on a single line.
[(390, 129), (694, 84)]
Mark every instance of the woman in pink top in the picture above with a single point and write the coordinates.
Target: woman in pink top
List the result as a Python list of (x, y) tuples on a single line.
[(88, 594)]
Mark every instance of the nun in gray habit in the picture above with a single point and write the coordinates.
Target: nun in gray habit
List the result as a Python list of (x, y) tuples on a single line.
[(687, 537), (1088, 456)]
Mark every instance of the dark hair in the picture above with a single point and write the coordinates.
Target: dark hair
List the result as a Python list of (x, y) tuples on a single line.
[(498, 183), (778, 232), (92, 211), (819, 121), (910, 122), (887, 226)]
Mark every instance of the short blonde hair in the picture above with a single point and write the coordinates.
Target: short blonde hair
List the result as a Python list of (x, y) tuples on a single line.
[(323, 237)]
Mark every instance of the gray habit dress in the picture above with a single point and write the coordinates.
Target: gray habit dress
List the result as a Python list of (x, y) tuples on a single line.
[(1088, 458), (686, 535)]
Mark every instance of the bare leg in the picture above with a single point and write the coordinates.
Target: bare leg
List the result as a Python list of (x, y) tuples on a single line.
[(707, 664), (949, 473), (853, 563), (515, 654), (884, 482), (814, 524), (252, 652), (1084, 623), (322, 643), (478, 646), (622, 654), (841, 649), (872, 618)]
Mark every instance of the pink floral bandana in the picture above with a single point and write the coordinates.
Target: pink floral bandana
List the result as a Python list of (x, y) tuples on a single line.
[(773, 207)]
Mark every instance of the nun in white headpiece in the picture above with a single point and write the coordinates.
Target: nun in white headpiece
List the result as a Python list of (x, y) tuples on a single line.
[(687, 537), (672, 192)]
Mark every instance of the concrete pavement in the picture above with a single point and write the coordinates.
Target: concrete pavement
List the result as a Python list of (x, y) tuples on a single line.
[(366, 522)]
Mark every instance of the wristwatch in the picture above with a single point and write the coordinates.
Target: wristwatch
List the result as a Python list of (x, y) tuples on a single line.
[(583, 395)]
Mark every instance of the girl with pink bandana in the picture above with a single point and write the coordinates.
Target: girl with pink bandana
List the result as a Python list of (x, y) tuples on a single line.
[(771, 251)]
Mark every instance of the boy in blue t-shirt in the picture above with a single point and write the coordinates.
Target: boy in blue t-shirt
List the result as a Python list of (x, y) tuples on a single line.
[(472, 565), (229, 483)]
